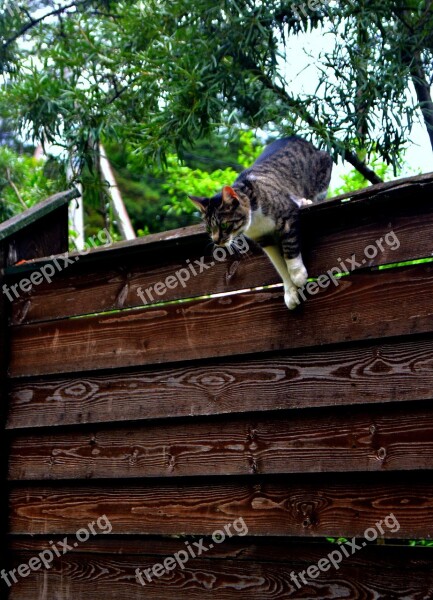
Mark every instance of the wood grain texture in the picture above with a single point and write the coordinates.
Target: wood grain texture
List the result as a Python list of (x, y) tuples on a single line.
[(88, 288), (382, 439), (4, 358), (240, 548), (365, 373), (331, 235), (392, 573), (291, 505), (356, 358), (363, 306)]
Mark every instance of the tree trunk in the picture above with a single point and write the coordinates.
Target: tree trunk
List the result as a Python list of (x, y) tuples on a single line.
[(423, 94)]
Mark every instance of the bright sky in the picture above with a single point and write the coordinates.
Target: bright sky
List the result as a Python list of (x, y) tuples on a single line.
[(303, 76)]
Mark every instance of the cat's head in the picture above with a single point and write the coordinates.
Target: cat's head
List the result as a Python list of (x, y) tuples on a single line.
[(226, 214)]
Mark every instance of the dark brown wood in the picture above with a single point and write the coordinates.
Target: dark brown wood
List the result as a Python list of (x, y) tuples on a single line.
[(4, 358), (360, 448), (308, 506), (364, 306), (246, 573), (82, 290), (333, 236), (36, 213), (356, 374), (384, 235), (238, 547), (382, 439), (47, 236)]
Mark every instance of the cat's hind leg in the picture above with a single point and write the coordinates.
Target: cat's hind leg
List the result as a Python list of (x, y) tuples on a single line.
[(290, 293), (291, 250)]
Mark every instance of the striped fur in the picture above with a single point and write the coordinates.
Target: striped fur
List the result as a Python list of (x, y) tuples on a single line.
[(264, 201)]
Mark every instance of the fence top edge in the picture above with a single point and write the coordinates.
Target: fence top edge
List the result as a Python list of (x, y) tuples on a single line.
[(380, 189), (196, 233)]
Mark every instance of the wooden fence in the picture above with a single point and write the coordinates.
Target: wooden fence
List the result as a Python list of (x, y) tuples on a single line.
[(175, 420)]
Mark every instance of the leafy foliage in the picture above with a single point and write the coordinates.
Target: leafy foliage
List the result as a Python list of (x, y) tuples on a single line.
[(181, 180), (336, 540), (159, 76), (423, 542), (157, 199), (354, 180), (24, 181)]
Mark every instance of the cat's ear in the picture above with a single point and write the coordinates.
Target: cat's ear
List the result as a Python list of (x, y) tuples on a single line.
[(229, 195), (200, 202)]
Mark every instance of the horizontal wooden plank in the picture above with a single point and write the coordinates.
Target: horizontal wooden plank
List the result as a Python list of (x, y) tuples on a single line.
[(4, 356), (82, 290), (384, 553), (364, 373), (331, 239), (285, 505), (373, 573), (363, 306), (383, 439)]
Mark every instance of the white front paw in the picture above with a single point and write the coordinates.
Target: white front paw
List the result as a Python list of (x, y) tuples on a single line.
[(299, 276), (291, 299), (305, 202)]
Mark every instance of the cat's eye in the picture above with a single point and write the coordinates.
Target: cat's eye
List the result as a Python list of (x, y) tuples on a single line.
[(224, 226)]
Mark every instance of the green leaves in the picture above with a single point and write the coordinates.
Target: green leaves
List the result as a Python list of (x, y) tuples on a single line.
[(425, 543), (159, 76), (180, 181), (24, 182)]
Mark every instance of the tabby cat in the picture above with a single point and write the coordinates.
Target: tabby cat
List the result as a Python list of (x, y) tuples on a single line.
[(264, 204)]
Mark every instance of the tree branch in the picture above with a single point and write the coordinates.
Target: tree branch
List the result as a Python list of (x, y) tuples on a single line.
[(423, 93), (298, 106), (34, 22), (412, 59), (15, 189), (360, 166)]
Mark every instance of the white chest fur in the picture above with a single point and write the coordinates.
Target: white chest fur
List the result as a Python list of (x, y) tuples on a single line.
[(260, 225)]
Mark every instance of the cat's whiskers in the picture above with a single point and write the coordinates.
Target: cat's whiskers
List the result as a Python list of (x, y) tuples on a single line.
[(234, 250)]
